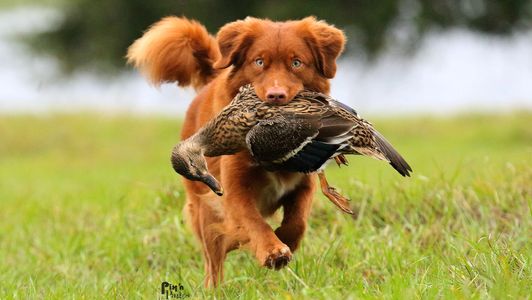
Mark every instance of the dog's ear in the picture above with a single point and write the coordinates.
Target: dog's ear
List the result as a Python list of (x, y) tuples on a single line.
[(233, 41), (326, 43)]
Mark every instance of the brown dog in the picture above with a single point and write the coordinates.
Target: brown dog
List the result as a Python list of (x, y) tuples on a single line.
[(279, 59)]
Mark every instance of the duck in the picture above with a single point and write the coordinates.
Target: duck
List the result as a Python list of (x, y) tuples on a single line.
[(300, 136)]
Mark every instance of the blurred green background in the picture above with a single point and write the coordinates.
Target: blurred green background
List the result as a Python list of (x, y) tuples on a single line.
[(95, 33), (90, 207)]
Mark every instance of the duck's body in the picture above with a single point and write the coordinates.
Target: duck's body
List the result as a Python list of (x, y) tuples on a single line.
[(300, 136)]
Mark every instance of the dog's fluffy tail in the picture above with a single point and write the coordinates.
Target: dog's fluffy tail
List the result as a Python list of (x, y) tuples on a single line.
[(175, 50)]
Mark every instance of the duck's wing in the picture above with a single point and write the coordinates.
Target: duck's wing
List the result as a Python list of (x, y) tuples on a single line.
[(304, 135), (288, 143), (333, 128), (366, 140)]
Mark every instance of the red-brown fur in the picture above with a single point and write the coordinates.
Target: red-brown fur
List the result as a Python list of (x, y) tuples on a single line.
[(180, 50)]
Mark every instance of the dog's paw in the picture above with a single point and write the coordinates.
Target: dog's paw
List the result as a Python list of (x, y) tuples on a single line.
[(277, 257)]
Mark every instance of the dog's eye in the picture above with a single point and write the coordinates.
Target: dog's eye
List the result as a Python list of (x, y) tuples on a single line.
[(296, 63), (259, 62)]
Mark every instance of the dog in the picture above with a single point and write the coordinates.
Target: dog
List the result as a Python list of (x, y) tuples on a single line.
[(279, 59)]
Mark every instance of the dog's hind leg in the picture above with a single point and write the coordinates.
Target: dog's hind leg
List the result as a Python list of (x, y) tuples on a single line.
[(213, 243), (201, 218), (216, 251)]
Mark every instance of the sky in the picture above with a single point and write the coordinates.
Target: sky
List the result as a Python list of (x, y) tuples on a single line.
[(452, 72)]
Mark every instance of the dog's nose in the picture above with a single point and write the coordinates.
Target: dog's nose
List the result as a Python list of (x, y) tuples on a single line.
[(276, 95)]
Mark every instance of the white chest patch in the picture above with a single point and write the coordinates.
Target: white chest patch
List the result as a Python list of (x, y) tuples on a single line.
[(274, 189)]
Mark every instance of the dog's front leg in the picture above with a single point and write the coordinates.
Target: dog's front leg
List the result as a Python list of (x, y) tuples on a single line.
[(244, 222), (296, 207)]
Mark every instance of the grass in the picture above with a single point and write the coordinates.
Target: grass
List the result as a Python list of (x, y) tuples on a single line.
[(90, 209)]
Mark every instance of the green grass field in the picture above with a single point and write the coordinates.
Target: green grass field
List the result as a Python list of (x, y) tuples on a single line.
[(91, 209)]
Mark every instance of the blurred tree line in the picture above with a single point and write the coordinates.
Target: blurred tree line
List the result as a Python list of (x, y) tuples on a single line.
[(96, 34)]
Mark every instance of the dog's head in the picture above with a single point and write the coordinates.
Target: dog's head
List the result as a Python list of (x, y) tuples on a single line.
[(280, 58)]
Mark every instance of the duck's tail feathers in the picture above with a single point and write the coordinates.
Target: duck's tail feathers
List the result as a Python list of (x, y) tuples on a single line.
[(395, 159)]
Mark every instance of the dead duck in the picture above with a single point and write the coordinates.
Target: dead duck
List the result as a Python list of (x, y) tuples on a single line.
[(300, 136)]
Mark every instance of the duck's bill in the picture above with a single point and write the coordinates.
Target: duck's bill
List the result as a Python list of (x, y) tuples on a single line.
[(213, 184)]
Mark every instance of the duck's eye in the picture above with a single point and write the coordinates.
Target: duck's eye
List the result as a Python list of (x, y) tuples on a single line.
[(296, 63), (259, 62)]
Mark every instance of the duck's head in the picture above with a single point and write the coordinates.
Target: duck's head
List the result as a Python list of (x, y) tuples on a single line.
[(188, 160)]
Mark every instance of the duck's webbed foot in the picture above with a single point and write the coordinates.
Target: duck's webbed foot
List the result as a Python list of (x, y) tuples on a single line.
[(330, 192)]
